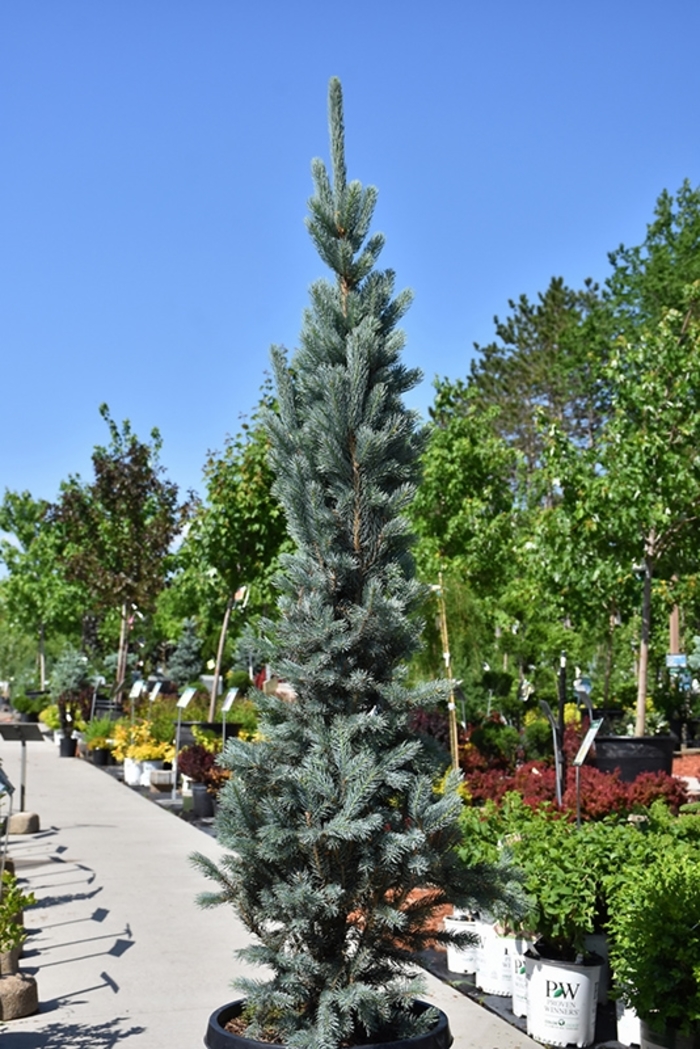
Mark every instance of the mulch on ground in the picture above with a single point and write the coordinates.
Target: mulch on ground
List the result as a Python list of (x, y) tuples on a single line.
[(687, 765)]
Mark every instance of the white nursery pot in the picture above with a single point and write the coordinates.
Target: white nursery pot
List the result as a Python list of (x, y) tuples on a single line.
[(147, 767), (461, 959), (132, 772), (597, 943), (561, 1001), (519, 974), (494, 972), (629, 1030)]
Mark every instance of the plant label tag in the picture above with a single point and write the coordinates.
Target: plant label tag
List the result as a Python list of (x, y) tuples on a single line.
[(228, 702), (587, 740), (185, 697)]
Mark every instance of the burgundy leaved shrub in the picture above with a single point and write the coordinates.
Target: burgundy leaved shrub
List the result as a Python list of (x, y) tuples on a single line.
[(196, 762), (649, 786), (431, 723), (602, 793)]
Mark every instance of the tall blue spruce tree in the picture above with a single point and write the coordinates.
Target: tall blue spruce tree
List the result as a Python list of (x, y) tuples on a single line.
[(332, 818)]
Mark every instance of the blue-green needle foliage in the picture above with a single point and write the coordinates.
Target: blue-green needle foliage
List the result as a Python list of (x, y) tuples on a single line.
[(332, 820)]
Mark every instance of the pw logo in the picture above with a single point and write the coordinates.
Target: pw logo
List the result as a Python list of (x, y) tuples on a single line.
[(558, 989)]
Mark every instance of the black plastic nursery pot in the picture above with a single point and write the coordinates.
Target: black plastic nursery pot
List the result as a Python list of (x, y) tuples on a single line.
[(633, 755), (217, 1037), (67, 746), (669, 1038), (202, 801), (101, 756)]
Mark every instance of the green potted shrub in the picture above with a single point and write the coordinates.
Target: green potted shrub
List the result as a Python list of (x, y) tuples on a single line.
[(71, 689), (339, 847), (563, 869), (655, 946), (13, 901), (18, 991), (30, 705), (50, 716), (98, 739)]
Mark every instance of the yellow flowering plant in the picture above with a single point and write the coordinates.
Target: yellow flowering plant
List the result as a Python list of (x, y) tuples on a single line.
[(137, 741)]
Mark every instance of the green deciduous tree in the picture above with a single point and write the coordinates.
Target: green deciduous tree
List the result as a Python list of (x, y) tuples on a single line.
[(635, 497), (117, 531), (556, 366), (464, 507), (238, 532), (37, 594), (650, 278)]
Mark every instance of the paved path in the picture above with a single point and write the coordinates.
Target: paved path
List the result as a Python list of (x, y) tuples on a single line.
[(120, 951)]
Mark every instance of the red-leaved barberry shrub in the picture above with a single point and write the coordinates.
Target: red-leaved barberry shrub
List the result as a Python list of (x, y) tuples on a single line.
[(602, 793), (649, 786)]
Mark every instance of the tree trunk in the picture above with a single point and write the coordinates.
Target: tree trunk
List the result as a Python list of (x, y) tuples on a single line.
[(674, 631), (644, 643), (121, 655), (608, 659), (42, 659), (219, 658)]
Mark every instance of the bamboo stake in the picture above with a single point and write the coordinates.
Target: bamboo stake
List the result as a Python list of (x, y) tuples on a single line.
[(454, 746)]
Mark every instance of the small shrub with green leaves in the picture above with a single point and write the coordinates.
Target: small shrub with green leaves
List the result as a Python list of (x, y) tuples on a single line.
[(51, 717), (98, 732), (573, 876), (29, 704), (655, 940), (497, 742), (71, 689), (13, 901), (537, 740), (239, 679)]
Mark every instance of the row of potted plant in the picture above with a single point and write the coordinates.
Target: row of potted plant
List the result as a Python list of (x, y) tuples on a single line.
[(13, 902), (147, 732), (635, 880), (18, 991)]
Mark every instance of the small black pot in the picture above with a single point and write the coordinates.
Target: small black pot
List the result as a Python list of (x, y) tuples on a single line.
[(217, 1037), (101, 756), (202, 801), (67, 746)]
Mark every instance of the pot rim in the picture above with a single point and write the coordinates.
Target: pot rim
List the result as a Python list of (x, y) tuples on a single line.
[(217, 1037)]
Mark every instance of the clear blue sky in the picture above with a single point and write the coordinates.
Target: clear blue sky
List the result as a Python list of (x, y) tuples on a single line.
[(156, 168)]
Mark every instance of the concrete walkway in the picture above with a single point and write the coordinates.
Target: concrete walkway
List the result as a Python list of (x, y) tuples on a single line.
[(119, 949)]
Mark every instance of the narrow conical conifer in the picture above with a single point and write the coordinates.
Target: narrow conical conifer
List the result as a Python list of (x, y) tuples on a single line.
[(340, 846)]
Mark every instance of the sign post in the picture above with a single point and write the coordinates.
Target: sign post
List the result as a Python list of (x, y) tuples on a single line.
[(225, 707), (134, 694), (181, 705), (579, 760), (23, 732), (556, 742)]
